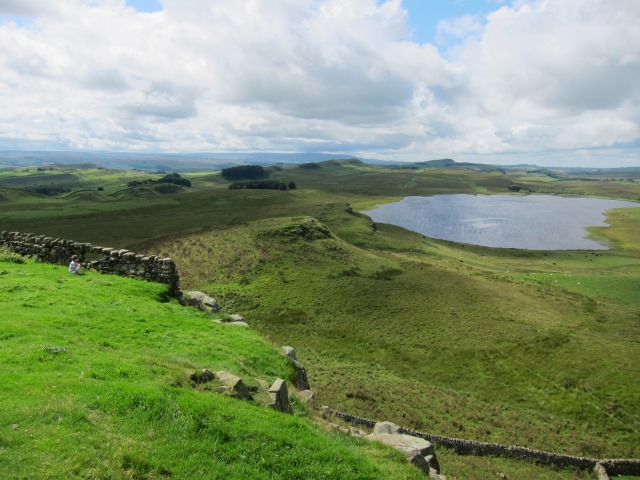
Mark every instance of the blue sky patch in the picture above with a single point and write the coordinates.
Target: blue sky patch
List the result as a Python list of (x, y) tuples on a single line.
[(146, 6)]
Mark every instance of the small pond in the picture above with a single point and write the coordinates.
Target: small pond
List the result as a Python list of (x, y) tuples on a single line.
[(533, 222)]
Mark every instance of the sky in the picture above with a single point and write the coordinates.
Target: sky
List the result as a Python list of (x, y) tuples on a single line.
[(546, 82)]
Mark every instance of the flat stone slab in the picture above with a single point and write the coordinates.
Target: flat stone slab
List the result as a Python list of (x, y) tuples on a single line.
[(404, 443)]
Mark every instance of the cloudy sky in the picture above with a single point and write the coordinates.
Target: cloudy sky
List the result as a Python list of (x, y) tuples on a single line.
[(551, 82)]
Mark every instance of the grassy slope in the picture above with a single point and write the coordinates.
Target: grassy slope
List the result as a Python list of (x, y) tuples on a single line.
[(95, 385), (141, 215), (500, 355), (458, 340)]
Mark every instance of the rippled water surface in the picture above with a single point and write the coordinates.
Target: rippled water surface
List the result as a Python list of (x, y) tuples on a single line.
[(534, 222)]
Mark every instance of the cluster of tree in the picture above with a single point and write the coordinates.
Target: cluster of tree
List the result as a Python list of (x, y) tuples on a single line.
[(172, 178), (309, 166), (165, 188), (138, 183), (545, 171), (519, 188), (51, 191), (244, 172), (263, 185)]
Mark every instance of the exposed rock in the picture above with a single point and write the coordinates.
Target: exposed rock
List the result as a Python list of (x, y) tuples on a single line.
[(234, 385), (290, 352), (235, 317), (201, 301), (280, 396), (601, 472), (404, 443), (356, 432), (419, 452), (417, 460), (238, 324), (202, 377), (299, 378), (386, 427), (308, 397)]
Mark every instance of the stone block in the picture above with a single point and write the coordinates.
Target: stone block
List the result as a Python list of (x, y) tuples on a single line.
[(386, 427), (289, 352), (280, 396), (234, 385), (201, 301)]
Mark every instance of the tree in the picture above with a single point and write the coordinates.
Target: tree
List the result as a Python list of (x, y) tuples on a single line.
[(244, 172)]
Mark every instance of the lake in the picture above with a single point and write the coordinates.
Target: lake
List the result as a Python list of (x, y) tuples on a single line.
[(532, 222)]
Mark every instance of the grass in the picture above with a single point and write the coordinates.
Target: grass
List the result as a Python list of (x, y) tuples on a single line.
[(508, 346), (428, 341), (96, 385)]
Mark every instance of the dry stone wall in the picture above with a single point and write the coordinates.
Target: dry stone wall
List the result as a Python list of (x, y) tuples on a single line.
[(105, 260), (469, 447)]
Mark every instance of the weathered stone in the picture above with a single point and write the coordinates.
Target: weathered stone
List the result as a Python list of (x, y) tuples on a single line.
[(280, 396), (600, 471), (356, 432), (201, 301), (300, 379), (202, 377), (432, 460), (405, 443), (238, 324), (386, 427), (234, 317), (412, 447), (290, 352), (307, 396), (418, 461), (234, 385)]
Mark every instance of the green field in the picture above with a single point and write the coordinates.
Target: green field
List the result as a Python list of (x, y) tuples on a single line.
[(518, 347)]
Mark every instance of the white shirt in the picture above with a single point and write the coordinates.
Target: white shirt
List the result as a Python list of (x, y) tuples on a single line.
[(74, 267)]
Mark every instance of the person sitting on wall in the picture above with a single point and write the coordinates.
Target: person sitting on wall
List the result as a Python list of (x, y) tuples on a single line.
[(74, 266)]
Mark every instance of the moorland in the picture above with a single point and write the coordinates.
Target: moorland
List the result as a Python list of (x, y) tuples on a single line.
[(532, 348)]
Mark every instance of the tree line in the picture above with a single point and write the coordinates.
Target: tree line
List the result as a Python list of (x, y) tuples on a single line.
[(262, 185), (173, 178)]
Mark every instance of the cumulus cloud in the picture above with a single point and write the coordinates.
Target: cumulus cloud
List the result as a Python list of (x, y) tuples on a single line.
[(534, 77)]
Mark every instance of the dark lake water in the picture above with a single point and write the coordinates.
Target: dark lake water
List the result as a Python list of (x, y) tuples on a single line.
[(533, 222)]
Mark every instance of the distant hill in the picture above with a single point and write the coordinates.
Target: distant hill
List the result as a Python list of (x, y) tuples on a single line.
[(162, 162)]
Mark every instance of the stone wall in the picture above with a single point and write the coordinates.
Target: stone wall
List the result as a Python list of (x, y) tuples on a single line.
[(469, 447), (101, 259)]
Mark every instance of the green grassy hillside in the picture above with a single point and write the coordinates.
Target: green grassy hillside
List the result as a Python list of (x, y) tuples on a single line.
[(465, 342), (95, 384), (530, 348)]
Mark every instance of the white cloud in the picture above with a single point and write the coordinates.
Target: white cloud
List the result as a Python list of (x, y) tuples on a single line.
[(328, 75)]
